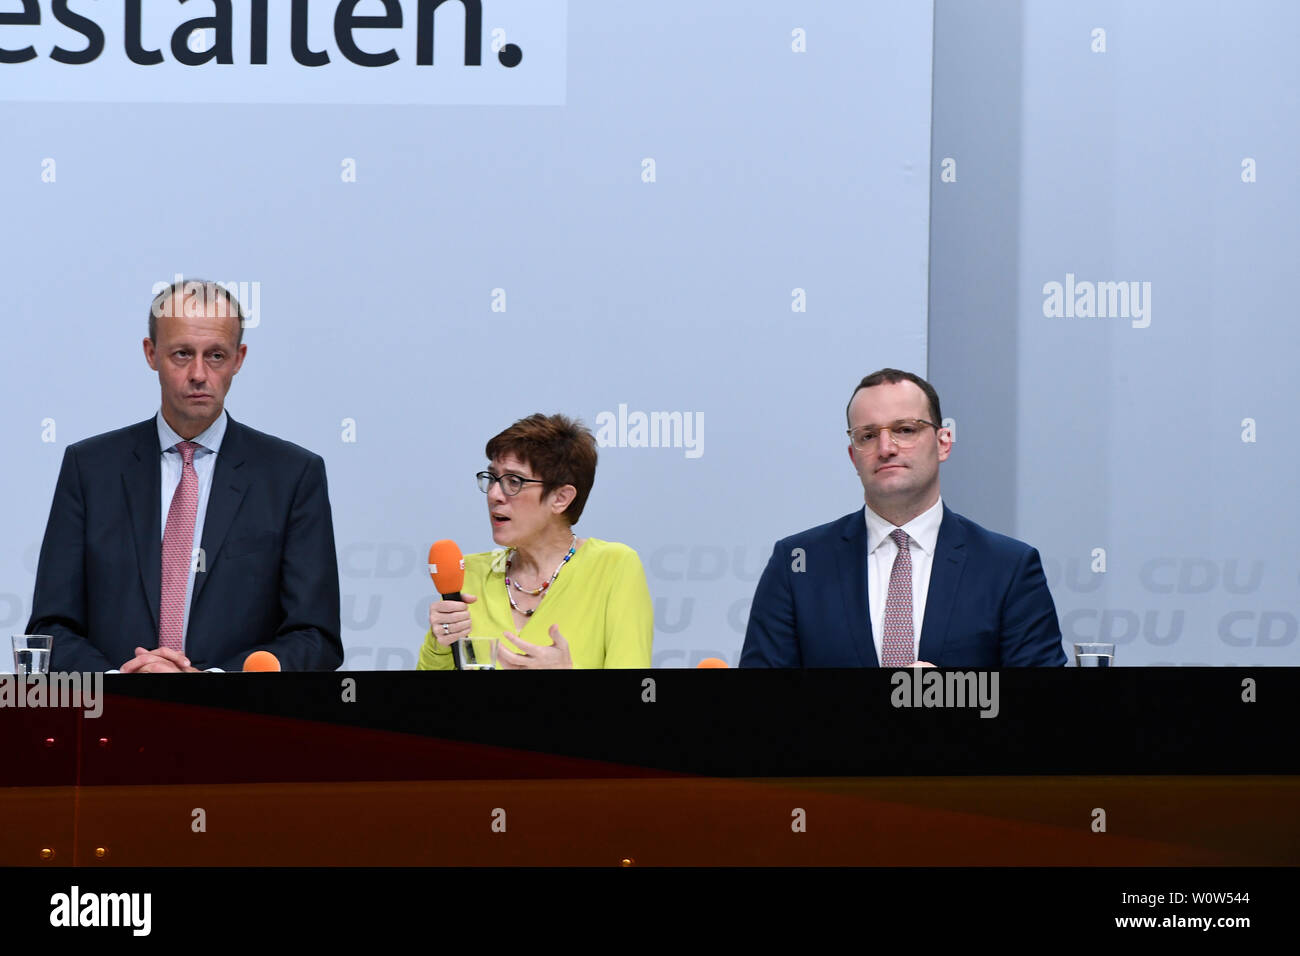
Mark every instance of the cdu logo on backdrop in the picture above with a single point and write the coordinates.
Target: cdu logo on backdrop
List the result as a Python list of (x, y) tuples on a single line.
[(286, 51)]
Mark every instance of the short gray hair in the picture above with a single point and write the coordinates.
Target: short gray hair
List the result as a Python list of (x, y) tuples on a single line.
[(206, 289)]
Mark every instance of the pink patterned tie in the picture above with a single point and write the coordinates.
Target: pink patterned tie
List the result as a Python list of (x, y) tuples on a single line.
[(896, 638), (178, 551)]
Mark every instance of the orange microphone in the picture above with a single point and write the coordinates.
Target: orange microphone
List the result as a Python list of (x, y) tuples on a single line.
[(711, 662), (261, 661), (447, 568)]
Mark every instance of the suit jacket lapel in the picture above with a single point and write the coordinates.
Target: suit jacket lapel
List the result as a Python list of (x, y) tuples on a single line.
[(945, 576), (142, 484), (229, 482), (852, 565)]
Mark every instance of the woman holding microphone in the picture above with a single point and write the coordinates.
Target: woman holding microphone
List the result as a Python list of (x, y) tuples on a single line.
[(554, 599)]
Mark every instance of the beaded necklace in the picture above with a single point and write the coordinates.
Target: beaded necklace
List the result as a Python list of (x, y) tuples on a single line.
[(545, 585)]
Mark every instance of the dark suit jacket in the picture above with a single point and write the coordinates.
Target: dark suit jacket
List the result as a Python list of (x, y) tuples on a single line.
[(988, 604), (271, 577)]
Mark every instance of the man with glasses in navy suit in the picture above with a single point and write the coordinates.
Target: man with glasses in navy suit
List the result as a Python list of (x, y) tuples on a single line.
[(904, 581)]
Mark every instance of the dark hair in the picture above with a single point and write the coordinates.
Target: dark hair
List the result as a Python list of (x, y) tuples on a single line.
[(206, 290), (560, 451), (892, 376)]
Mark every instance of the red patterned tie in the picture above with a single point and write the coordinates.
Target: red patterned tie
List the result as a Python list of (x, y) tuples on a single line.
[(178, 551), (896, 644)]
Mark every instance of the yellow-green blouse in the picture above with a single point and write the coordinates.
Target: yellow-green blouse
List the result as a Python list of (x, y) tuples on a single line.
[(600, 602)]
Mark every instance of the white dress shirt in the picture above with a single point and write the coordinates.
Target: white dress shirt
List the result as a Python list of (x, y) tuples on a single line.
[(205, 464), (923, 532)]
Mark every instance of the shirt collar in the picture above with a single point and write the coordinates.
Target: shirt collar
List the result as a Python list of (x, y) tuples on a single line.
[(923, 529), (209, 440)]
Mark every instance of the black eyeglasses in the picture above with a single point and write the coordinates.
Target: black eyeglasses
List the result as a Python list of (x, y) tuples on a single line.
[(510, 484)]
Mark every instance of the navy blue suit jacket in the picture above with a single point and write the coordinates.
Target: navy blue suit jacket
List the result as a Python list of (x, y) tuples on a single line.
[(270, 579), (988, 604)]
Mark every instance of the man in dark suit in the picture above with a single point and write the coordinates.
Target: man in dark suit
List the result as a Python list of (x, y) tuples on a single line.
[(905, 581), (188, 541)]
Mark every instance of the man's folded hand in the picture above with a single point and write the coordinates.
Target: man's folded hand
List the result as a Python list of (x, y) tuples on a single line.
[(160, 660)]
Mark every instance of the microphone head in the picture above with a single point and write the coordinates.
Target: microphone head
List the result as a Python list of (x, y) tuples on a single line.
[(446, 567), (261, 661), (712, 662)]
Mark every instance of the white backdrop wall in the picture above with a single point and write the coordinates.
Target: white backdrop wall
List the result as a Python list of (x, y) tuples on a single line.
[(1146, 455)]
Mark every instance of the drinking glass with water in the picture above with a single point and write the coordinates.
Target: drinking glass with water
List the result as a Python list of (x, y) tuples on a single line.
[(1094, 654), (477, 653), (32, 653)]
